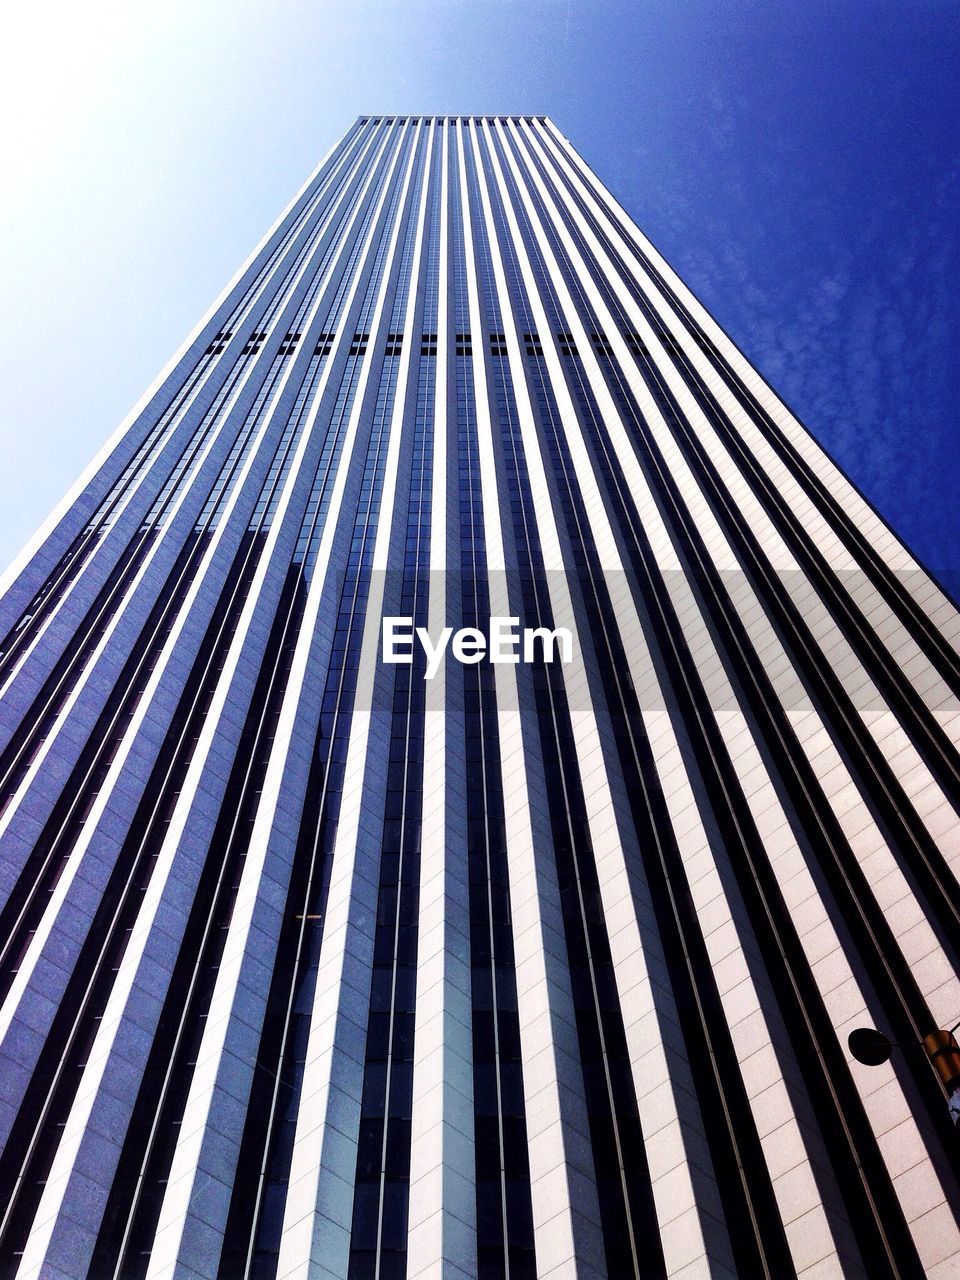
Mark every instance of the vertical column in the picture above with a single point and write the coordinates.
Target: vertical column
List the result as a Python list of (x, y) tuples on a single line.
[(442, 1222)]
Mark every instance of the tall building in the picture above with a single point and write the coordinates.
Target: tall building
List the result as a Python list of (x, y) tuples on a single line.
[(316, 964)]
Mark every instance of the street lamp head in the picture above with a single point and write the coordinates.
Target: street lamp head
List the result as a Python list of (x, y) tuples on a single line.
[(869, 1046)]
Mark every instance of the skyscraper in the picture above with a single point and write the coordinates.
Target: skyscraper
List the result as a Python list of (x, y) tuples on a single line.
[(325, 953)]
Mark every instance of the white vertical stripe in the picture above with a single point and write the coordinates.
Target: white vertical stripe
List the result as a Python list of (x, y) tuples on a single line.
[(442, 1242)]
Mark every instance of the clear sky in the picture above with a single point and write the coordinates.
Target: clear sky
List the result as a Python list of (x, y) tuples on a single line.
[(795, 159)]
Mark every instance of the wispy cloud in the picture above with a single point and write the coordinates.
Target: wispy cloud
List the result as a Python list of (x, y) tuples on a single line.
[(847, 309)]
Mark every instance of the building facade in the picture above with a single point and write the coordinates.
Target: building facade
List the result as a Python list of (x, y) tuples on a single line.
[(313, 966)]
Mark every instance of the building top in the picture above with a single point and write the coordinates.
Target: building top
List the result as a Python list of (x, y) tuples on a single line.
[(428, 119)]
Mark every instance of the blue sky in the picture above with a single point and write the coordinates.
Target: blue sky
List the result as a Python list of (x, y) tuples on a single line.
[(797, 162)]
